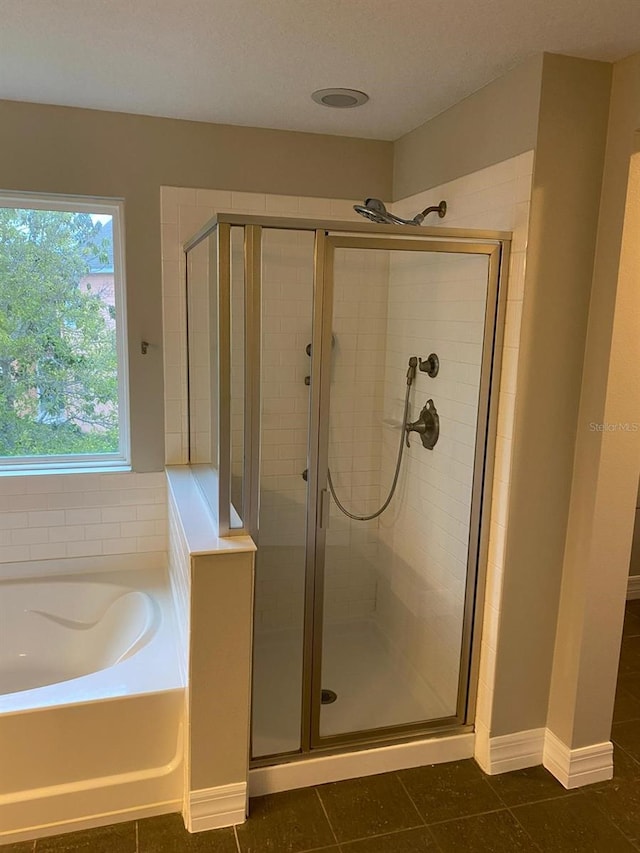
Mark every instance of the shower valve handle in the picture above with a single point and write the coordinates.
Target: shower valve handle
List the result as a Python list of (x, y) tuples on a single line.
[(427, 426)]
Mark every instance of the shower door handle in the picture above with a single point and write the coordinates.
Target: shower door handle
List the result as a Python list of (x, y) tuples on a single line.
[(324, 507)]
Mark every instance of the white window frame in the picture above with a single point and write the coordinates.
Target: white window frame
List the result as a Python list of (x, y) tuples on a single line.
[(76, 462)]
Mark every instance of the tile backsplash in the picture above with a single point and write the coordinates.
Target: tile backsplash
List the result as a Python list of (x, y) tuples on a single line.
[(47, 517)]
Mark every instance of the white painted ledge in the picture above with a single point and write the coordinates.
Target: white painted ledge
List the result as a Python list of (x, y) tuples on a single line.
[(198, 524)]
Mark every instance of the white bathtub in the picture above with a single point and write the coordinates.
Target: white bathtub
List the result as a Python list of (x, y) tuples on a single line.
[(92, 697)]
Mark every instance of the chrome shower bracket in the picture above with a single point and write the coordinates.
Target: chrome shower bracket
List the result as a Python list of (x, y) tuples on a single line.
[(427, 426)]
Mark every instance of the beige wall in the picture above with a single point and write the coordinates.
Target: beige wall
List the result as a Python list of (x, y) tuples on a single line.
[(492, 125), (564, 214), (64, 150), (606, 463), (558, 106)]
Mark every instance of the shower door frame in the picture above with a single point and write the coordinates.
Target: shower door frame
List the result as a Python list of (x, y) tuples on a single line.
[(497, 254), (328, 236)]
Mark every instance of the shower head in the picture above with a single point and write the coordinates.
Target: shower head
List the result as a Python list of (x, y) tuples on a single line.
[(375, 210)]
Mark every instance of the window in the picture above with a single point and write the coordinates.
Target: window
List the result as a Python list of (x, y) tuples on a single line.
[(63, 365)]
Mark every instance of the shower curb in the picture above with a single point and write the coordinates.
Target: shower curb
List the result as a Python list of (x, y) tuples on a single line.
[(367, 762)]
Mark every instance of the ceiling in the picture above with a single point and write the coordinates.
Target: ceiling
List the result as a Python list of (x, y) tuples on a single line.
[(256, 62)]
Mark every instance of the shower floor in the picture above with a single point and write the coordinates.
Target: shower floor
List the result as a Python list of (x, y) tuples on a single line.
[(374, 690)]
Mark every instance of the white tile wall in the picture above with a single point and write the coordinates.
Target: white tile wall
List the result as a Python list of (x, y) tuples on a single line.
[(361, 285), (494, 198), (287, 305), (179, 565), (80, 515), (287, 284), (436, 304), (200, 363)]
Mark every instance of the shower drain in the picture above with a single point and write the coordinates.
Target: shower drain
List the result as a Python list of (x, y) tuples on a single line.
[(328, 696)]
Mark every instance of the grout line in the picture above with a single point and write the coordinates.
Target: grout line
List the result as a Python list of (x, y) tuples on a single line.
[(235, 835), (625, 751), (381, 835), (604, 813), (536, 846), (314, 849), (404, 788), (563, 795), (573, 792), (137, 838), (466, 816), (335, 837)]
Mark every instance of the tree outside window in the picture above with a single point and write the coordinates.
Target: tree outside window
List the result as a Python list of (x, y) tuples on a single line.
[(59, 393)]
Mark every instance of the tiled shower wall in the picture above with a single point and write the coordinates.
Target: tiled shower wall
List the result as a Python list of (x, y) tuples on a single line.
[(429, 534), (183, 212), (287, 305), (287, 324), (437, 304), (361, 284), (422, 576), (199, 349)]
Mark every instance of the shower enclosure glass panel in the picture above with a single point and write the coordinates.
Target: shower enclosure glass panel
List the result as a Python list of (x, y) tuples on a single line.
[(202, 324), (395, 586), (216, 345), (286, 322), (237, 390)]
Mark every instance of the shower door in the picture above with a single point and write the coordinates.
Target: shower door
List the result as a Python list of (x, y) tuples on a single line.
[(391, 595)]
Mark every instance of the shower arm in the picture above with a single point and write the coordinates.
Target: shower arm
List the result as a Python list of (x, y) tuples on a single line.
[(418, 219), (440, 209)]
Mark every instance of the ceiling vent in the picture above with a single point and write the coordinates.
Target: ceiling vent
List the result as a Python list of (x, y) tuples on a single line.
[(340, 98)]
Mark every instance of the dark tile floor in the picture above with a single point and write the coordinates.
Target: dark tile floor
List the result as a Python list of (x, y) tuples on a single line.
[(446, 808)]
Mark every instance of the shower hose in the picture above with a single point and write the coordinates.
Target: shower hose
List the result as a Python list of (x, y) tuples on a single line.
[(394, 483)]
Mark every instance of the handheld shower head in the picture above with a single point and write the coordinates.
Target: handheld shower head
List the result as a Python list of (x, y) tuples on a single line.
[(375, 210)]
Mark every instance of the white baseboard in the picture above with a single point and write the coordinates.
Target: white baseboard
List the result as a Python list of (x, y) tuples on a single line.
[(512, 752), (633, 587), (576, 767), (366, 762), (213, 808), (571, 767), (27, 815)]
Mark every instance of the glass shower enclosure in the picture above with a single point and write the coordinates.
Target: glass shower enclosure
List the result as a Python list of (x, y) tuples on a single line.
[(341, 412)]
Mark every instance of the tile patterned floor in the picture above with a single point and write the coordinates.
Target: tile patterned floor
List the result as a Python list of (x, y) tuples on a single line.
[(446, 808)]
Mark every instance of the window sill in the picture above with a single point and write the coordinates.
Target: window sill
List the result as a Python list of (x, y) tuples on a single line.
[(63, 469)]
